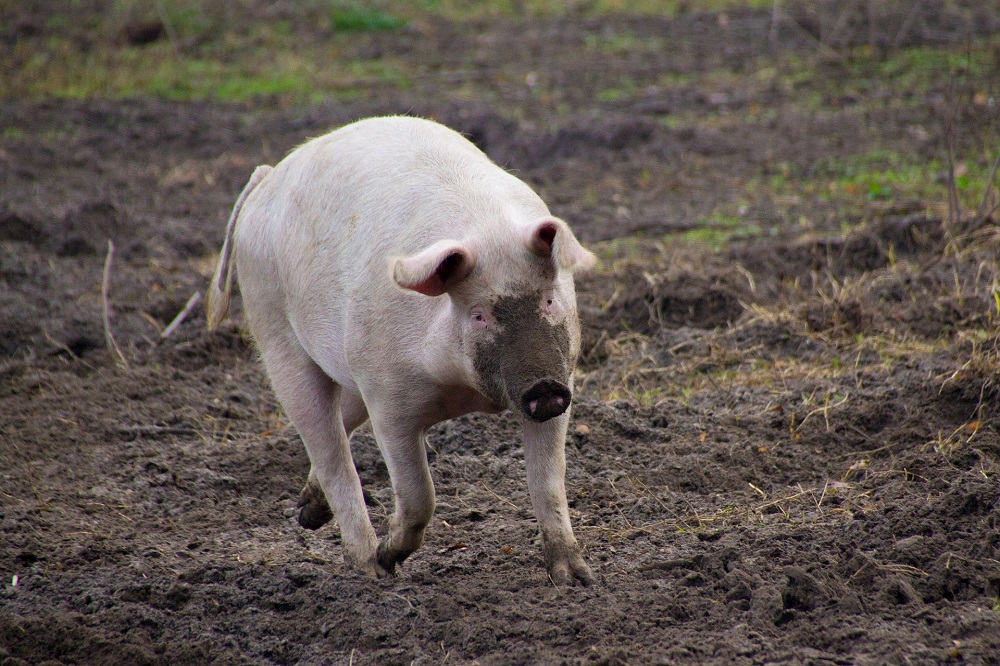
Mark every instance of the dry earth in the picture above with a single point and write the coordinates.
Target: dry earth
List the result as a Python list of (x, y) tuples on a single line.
[(784, 449)]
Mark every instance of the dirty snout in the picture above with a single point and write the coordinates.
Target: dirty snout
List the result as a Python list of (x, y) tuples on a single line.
[(525, 362), (546, 399)]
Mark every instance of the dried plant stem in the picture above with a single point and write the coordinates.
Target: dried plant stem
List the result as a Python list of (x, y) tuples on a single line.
[(954, 212), (772, 35), (168, 26), (182, 315), (109, 339), (825, 411), (986, 207)]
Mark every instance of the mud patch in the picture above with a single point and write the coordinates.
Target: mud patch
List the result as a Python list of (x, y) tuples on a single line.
[(524, 349)]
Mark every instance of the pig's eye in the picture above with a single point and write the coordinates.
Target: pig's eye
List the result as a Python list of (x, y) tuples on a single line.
[(479, 318), (548, 301)]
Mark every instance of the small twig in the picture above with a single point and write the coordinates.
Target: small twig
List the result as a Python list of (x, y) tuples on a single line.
[(985, 210), (858, 454), (819, 44), (60, 345), (109, 339), (502, 499), (604, 336), (825, 411), (408, 602), (956, 556), (904, 28), (611, 482), (614, 297), (772, 34), (168, 26), (649, 492), (823, 494), (192, 302), (954, 212), (758, 508), (829, 37)]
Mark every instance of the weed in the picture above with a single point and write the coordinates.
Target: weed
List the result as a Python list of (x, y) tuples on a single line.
[(855, 183), (626, 89), (917, 68), (464, 10), (718, 230), (352, 18), (619, 43), (303, 75)]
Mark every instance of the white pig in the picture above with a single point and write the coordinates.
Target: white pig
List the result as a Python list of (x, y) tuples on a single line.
[(391, 272)]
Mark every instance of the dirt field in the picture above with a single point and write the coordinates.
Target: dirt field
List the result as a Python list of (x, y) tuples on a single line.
[(786, 440)]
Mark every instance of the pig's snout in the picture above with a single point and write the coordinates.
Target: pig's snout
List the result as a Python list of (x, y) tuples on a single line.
[(546, 399)]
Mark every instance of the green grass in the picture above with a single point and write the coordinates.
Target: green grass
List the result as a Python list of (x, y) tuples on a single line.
[(917, 68), (878, 175), (464, 10), (308, 55), (626, 89), (718, 230), (307, 74), (861, 77), (713, 232), (620, 43), (347, 18), (209, 55), (215, 55)]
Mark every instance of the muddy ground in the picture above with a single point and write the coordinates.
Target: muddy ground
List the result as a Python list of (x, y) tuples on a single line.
[(784, 448)]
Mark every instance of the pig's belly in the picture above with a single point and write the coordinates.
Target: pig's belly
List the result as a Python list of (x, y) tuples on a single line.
[(326, 349)]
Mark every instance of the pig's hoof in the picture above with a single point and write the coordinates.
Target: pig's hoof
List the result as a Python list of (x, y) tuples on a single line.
[(570, 570), (388, 558), (314, 511), (368, 566)]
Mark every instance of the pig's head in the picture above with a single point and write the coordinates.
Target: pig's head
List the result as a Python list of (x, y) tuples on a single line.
[(512, 311)]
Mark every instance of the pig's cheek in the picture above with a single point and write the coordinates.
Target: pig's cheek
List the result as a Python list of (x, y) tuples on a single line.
[(486, 363), (550, 305)]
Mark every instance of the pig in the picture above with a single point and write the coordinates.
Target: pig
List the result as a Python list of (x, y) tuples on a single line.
[(390, 272)]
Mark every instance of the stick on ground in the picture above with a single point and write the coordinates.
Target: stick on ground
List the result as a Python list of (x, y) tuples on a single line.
[(105, 283), (182, 315)]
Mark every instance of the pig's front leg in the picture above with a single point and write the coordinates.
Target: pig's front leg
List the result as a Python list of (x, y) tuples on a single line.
[(545, 458), (402, 447)]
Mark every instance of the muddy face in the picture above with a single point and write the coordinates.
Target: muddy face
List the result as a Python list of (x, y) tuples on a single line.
[(522, 356)]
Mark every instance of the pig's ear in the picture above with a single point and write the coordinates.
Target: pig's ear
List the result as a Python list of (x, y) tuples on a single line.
[(435, 270), (551, 238)]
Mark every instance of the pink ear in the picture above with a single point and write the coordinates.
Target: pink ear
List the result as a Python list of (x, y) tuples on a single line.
[(543, 238), (540, 239), (435, 270)]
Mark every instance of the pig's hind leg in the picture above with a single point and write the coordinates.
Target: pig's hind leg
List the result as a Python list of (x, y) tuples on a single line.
[(314, 510), (314, 402), (402, 447)]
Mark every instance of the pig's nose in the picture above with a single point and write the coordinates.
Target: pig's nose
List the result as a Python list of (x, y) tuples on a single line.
[(546, 399)]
